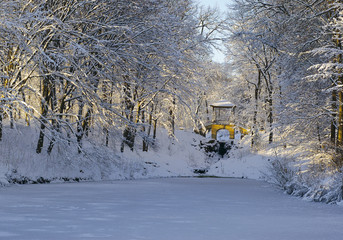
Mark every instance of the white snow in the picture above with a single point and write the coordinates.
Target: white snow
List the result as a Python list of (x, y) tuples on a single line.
[(241, 162), (170, 208), (182, 156), (167, 158), (223, 103)]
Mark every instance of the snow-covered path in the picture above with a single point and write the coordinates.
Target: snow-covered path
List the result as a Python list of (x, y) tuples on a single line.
[(162, 209)]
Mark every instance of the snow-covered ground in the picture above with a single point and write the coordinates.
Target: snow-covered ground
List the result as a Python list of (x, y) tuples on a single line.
[(170, 208), (167, 158)]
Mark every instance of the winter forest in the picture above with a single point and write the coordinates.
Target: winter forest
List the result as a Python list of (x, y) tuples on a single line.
[(89, 88)]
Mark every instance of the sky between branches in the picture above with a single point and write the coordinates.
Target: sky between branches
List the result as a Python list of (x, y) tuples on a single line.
[(222, 6)]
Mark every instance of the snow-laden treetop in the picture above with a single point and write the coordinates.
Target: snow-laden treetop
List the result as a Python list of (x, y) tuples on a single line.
[(223, 104)]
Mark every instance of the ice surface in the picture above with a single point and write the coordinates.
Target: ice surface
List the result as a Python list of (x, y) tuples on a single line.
[(162, 209)]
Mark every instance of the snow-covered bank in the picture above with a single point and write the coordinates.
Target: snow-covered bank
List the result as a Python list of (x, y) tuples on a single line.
[(19, 162), (241, 162), (173, 208), (303, 169)]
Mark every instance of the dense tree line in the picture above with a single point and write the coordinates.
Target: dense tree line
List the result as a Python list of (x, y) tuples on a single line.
[(78, 68), (280, 47), (288, 54)]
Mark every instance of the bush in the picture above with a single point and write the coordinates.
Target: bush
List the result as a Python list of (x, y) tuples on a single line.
[(319, 183), (281, 172)]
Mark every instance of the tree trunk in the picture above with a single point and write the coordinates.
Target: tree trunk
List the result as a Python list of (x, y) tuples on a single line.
[(145, 136), (44, 112), (270, 114), (254, 131), (106, 136), (11, 116), (87, 122), (148, 133), (340, 93), (150, 123), (68, 132), (318, 134), (27, 116), (129, 133), (1, 126), (340, 118), (82, 125), (105, 94), (155, 129), (172, 118), (53, 99), (207, 109), (79, 131), (334, 115), (129, 138)]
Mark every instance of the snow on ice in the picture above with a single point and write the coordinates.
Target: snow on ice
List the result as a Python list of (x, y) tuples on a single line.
[(169, 208)]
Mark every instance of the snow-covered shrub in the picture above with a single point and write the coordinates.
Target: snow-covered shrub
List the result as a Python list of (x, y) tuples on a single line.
[(281, 171), (328, 190), (316, 180), (3, 171)]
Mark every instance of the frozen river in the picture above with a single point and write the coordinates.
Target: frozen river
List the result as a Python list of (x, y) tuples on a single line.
[(163, 209)]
